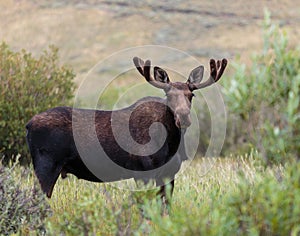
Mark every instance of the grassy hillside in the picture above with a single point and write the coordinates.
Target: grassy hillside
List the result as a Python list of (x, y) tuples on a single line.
[(89, 31)]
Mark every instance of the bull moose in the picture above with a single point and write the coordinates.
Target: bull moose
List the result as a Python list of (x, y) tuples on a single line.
[(54, 152)]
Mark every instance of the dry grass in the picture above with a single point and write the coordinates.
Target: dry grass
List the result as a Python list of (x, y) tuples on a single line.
[(89, 31), (235, 194), (194, 186)]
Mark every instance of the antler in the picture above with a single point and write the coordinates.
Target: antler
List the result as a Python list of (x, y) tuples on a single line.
[(144, 69), (139, 64), (216, 71)]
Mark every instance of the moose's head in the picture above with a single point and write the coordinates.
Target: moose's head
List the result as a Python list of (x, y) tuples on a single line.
[(180, 95)]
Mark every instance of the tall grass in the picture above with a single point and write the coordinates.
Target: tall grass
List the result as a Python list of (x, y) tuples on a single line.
[(221, 196)]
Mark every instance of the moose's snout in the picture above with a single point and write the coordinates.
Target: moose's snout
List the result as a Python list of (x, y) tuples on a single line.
[(183, 119)]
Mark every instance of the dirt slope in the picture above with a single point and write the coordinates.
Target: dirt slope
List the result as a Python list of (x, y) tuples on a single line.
[(88, 31)]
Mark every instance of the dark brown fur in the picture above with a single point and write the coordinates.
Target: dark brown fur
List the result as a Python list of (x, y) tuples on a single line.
[(50, 140), (54, 152)]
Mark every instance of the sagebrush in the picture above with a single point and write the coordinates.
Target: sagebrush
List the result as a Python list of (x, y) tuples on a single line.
[(22, 208)]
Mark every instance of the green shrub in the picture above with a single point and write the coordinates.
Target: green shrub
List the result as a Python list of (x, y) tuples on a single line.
[(265, 98), (28, 86), (267, 203), (21, 209), (107, 212)]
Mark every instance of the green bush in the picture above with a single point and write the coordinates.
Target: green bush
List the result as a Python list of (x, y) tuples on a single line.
[(268, 206), (267, 203), (103, 213), (28, 86), (21, 209), (265, 98)]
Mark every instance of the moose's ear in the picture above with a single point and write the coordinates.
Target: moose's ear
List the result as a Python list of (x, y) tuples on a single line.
[(161, 75), (196, 75)]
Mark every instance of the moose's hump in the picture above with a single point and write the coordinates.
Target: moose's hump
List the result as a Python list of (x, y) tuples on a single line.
[(58, 117)]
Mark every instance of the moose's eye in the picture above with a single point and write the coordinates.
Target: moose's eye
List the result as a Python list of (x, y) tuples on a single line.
[(190, 96)]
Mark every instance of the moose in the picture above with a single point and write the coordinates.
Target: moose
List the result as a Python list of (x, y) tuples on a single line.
[(54, 150)]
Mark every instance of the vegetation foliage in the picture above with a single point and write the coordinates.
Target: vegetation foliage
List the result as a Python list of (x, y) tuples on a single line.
[(22, 208), (236, 197), (28, 86), (265, 98)]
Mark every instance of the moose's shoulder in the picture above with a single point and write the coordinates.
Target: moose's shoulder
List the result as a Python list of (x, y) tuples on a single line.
[(149, 100)]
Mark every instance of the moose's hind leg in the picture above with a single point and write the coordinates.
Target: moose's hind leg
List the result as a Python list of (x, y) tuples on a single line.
[(47, 171)]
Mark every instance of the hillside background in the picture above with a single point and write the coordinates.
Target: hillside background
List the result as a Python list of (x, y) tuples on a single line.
[(89, 31)]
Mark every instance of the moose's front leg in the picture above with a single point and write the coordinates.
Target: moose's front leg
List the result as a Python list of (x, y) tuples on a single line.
[(165, 193)]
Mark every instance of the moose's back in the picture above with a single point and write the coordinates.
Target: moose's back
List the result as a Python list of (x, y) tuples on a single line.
[(50, 137)]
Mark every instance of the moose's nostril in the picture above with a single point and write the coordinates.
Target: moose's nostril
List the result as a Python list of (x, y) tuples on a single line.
[(183, 120)]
